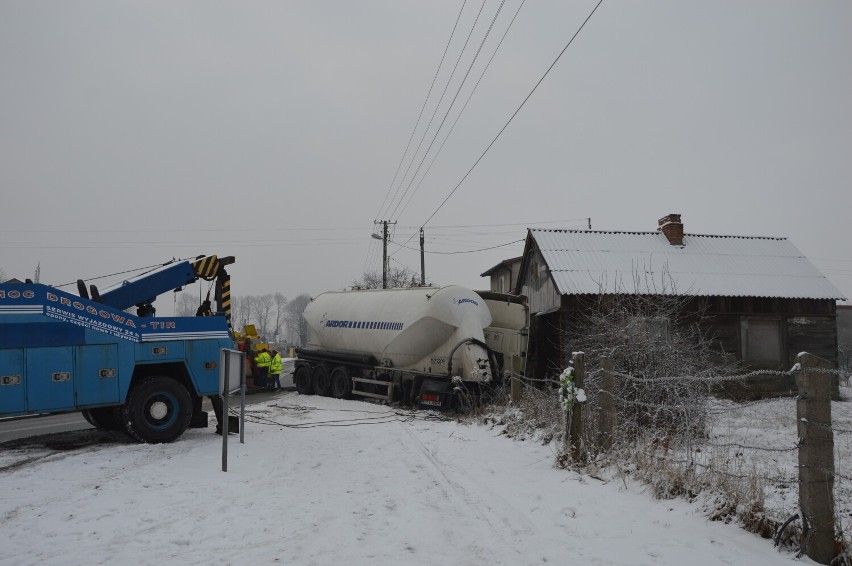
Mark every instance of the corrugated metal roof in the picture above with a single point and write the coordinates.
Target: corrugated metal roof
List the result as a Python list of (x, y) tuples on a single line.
[(587, 262)]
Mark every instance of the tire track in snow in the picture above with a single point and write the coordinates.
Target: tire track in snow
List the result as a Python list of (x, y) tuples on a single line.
[(489, 506)]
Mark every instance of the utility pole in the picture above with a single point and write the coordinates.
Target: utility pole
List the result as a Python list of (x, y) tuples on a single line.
[(384, 239), (385, 255), (422, 261)]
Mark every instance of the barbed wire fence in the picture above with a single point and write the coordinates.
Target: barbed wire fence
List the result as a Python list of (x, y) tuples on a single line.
[(797, 465), (781, 466)]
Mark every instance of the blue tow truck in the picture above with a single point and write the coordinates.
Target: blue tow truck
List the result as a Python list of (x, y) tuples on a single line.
[(138, 373)]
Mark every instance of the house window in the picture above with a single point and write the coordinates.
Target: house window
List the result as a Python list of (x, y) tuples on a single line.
[(760, 340), (501, 284)]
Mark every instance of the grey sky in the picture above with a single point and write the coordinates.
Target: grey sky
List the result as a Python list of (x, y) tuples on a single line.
[(133, 132)]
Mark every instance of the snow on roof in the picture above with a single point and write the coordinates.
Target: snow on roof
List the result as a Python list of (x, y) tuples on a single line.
[(589, 262)]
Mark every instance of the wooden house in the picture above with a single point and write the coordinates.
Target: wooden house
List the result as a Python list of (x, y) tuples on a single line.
[(763, 300), (504, 276)]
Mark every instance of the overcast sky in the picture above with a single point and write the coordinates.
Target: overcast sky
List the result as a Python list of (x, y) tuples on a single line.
[(134, 132)]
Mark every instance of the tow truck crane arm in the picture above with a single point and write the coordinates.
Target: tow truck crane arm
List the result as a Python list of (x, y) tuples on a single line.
[(142, 291)]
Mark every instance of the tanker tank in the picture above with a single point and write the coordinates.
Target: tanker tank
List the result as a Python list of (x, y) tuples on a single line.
[(429, 330)]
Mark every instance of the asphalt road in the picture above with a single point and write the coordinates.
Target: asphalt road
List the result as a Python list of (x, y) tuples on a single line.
[(12, 429), (25, 427)]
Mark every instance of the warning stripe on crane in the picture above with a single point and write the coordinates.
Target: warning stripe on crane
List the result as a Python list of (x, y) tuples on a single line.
[(207, 267), (225, 297)]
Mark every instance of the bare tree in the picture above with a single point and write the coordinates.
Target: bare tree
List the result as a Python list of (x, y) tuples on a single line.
[(666, 365), (397, 278), (261, 309), (186, 304), (280, 309), (2, 276), (240, 311), (296, 323)]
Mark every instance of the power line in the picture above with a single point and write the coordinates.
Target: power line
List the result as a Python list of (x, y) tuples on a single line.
[(176, 230), (419, 116), (461, 252), (452, 103), (133, 244), (512, 117), (461, 227), (65, 232), (149, 267), (464, 107), (437, 106)]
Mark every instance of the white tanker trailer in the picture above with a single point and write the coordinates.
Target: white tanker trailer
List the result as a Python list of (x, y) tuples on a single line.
[(420, 345)]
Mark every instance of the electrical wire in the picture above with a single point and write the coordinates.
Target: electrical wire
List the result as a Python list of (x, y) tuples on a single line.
[(462, 252), (464, 107), (382, 417), (438, 105), (141, 269), (419, 116), (450, 107), (515, 113)]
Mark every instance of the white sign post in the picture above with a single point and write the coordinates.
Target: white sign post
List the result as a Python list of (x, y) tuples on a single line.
[(232, 378)]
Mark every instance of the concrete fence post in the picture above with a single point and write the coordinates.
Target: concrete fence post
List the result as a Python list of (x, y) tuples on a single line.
[(816, 456), (607, 417)]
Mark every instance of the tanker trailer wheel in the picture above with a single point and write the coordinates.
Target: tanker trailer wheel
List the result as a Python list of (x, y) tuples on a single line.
[(302, 379), (341, 383), (322, 380), (104, 418), (158, 409)]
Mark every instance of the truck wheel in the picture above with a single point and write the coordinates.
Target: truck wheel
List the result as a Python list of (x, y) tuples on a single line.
[(322, 380), (302, 379), (104, 418), (158, 409), (341, 383)]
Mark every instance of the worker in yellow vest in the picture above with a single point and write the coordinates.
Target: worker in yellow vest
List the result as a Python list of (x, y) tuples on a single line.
[(263, 361), (275, 368)]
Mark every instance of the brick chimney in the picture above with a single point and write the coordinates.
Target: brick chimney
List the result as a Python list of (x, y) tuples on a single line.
[(671, 226)]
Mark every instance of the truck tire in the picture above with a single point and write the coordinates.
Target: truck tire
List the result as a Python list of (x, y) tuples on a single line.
[(104, 418), (341, 383), (158, 409), (302, 379), (322, 380)]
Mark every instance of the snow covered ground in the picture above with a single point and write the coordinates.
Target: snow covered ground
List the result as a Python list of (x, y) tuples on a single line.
[(342, 482), (763, 437)]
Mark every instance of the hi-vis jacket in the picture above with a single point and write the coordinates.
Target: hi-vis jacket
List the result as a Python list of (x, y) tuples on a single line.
[(263, 359), (276, 365)]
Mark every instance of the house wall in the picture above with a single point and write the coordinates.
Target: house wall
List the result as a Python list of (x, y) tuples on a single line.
[(776, 328), (804, 325), (538, 285), (509, 276), (844, 335), (547, 353)]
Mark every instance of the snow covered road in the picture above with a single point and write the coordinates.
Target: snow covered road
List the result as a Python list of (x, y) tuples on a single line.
[(343, 482)]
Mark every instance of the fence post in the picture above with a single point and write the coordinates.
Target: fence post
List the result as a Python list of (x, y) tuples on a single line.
[(816, 456), (575, 424), (516, 387), (606, 403)]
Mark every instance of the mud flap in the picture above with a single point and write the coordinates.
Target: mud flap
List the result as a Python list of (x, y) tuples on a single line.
[(434, 394)]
